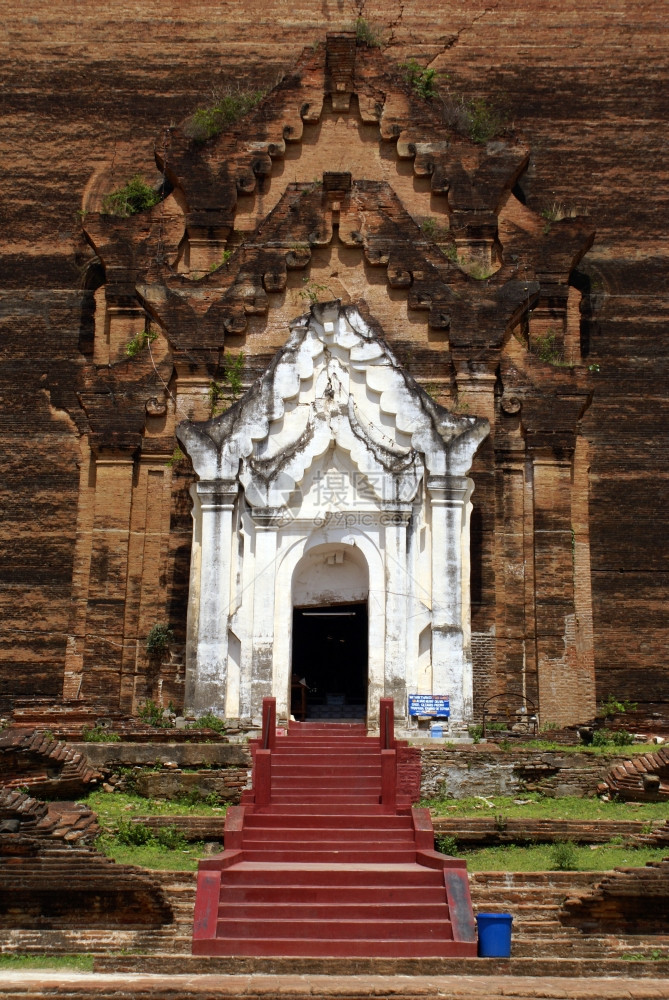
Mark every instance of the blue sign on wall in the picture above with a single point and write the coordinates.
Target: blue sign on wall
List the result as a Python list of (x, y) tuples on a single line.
[(436, 705)]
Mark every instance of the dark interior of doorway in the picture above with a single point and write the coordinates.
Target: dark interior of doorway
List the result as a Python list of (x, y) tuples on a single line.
[(330, 654)]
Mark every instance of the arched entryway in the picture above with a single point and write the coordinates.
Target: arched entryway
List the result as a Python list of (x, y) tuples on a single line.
[(329, 658)]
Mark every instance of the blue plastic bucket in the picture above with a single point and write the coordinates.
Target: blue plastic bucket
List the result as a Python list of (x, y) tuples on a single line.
[(436, 731), (494, 935)]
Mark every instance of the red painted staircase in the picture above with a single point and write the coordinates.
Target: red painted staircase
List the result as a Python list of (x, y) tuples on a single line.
[(321, 860)]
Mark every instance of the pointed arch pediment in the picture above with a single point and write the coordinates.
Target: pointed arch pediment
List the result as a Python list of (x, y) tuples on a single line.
[(335, 386)]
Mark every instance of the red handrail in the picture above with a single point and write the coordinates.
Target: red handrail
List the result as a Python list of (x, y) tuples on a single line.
[(387, 723), (268, 741), (262, 772), (388, 754)]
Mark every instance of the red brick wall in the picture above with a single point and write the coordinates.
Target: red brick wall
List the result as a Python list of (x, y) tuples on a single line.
[(92, 87)]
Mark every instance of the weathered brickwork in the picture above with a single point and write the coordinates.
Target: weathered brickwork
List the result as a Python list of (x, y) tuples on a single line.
[(45, 765), (482, 770), (627, 900), (569, 520)]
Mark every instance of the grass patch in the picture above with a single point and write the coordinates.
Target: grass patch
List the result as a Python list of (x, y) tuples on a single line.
[(531, 805), (99, 734), (131, 843), (226, 108), (549, 350), (475, 118), (641, 956), (603, 746), (79, 963), (112, 808), (542, 857), (153, 854)]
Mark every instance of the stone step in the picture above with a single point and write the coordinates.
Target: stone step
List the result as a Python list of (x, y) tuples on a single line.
[(577, 946), (581, 968), (541, 878), (489, 830), (514, 897), (520, 909)]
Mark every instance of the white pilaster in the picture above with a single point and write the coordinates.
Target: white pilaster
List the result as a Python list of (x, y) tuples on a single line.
[(217, 498), (396, 605), (262, 670), (451, 675)]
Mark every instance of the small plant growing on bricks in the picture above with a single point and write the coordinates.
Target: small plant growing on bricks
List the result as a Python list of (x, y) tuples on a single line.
[(135, 196), (230, 388), (159, 639), (224, 259), (152, 714), (139, 342), (209, 721), (616, 706), (312, 291), (232, 372), (423, 81), (365, 34)]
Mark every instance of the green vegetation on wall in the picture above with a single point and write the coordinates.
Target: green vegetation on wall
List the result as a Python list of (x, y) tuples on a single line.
[(135, 196)]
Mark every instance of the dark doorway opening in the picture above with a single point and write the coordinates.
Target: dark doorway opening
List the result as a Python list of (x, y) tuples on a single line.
[(330, 654)]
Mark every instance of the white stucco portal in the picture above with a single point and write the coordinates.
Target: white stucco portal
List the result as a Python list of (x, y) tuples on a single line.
[(334, 448)]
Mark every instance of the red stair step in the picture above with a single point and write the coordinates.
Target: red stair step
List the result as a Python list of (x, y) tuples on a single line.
[(353, 910), (329, 727), (318, 820), (342, 894), (327, 740), (346, 948), (321, 748), (333, 856), (331, 806), (384, 930), (253, 873), (340, 796), (275, 835), (303, 783), (304, 770)]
